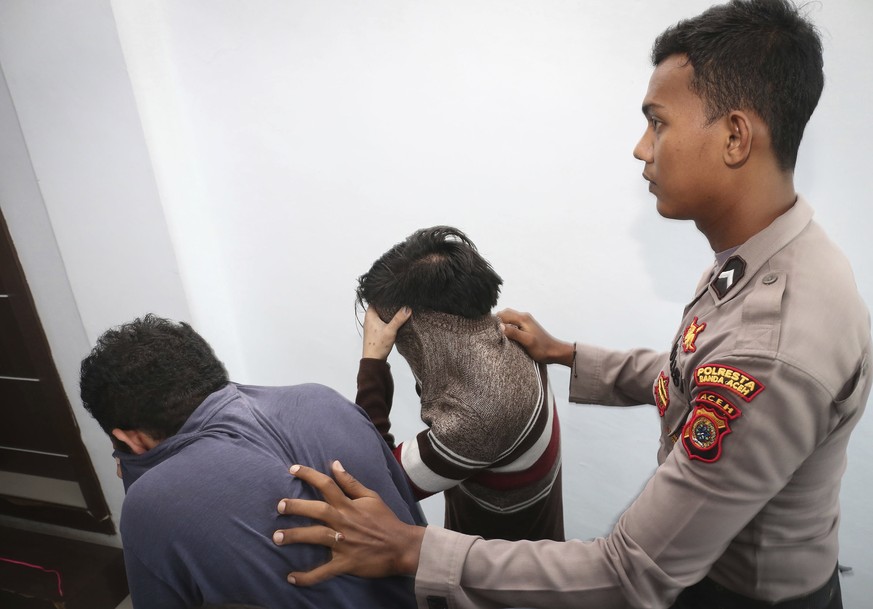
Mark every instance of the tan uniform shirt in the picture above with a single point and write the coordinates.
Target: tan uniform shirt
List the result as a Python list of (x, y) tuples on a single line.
[(767, 377)]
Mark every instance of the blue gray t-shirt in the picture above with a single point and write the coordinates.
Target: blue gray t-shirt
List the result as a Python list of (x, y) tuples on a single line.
[(200, 508)]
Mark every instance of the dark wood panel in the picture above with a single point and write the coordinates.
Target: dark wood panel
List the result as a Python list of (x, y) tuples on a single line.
[(15, 359), (14, 459), (77, 575), (74, 518), (37, 416), (28, 418)]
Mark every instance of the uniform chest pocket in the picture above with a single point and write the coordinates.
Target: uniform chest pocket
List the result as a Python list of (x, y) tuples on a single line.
[(762, 314)]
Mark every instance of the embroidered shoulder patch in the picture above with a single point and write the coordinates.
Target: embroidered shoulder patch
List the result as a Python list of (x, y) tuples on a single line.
[(715, 375), (719, 404), (703, 434), (662, 393), (690, 335)]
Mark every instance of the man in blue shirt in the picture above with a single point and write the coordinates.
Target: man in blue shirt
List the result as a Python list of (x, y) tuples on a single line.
[(186, 437)]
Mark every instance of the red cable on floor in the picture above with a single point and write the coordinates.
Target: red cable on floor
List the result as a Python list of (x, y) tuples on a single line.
[(24, 564)]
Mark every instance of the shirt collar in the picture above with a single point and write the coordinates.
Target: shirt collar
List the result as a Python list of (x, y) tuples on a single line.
[(747, 259), (133, 466)]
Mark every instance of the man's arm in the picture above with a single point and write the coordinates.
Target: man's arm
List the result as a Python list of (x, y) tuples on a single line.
[(375, 385), (376, 394)]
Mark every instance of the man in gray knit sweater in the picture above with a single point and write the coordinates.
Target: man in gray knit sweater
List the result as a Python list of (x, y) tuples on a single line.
[(493, 442)]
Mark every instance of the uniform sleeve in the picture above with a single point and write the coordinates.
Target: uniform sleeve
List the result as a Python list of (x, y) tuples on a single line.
[(614, 378), (714, 481), (375, 395)]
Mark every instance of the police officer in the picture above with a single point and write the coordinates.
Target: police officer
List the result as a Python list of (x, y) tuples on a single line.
[(757, 394)]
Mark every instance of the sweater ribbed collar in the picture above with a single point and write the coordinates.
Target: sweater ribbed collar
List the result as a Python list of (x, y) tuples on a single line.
[(443, 336)]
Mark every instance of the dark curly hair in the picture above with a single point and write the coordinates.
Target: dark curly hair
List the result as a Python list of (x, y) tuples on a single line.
[(754, 55), (434, 269), (149, 374)]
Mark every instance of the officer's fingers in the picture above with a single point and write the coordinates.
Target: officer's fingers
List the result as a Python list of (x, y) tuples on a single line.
[(315, 510), (332, 494), (317, 575), (510, 316), (349, 484), (316, 535), (513, 333)]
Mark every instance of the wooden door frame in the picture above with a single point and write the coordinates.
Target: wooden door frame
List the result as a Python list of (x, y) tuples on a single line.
[(96, 516)]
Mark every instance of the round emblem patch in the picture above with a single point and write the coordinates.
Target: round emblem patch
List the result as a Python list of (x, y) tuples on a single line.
[(703, 432)]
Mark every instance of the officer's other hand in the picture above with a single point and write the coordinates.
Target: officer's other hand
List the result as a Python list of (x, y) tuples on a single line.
[(365, 537)]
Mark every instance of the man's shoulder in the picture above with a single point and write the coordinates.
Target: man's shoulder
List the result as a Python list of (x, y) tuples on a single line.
[(822, 311), (305, 406), (801, 308), (203, 468), (302, 395)]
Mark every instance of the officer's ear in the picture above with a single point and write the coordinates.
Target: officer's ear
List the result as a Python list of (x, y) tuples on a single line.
[(740, 133)]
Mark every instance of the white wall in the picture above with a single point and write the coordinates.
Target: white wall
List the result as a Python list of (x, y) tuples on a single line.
[(78, 191), (290, 143)]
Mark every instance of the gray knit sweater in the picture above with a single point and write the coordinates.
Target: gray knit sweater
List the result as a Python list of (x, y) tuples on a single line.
[(493, 442)]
